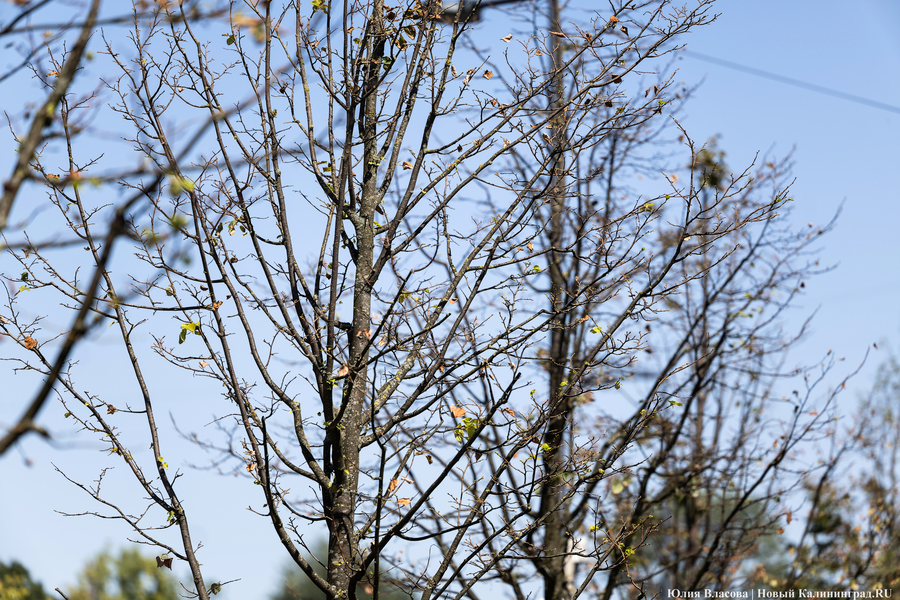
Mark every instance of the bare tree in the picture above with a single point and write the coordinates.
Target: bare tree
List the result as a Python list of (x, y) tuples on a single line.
[(418, 276)]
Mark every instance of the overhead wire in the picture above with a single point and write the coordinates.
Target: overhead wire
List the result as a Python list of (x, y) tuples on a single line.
[(794, 82)]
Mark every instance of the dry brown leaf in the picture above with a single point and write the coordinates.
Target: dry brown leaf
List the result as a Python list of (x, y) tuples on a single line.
[(404, 501), (780, 530), (488, 74), (342, 372), (457, 412), (454, 71), (624, 29), (203, 364), (29, 342), (429, 459), (406, 165), (790, 517), (393, 485), (614, 19), (558, 34), (110, 409), (216, 304), (164, 562), (506, 39), (530, 247)]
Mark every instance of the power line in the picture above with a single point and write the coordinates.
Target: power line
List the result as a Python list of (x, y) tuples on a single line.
[(794, 82)]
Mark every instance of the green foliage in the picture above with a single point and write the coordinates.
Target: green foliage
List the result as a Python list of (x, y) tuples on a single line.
[(16, 583), (710, 164), (128, 576)]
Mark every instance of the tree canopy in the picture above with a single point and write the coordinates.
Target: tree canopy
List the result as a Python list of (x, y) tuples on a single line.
[(473, 307)]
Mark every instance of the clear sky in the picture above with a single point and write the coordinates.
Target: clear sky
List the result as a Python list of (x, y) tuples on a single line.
[(846, 154)]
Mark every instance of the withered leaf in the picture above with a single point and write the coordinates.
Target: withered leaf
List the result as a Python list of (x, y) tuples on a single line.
[(393, 485), (457, 412), (203, 364), (29, 342), (342, 372), (429, 459), (558, 34), (488, 74), (164, 562), (407, 165), (404, 501), (110, 409), (506, 39), (624, 29), (608, 103), (216, 304)]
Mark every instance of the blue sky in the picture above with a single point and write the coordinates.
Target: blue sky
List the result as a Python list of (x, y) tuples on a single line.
[(845, 155)]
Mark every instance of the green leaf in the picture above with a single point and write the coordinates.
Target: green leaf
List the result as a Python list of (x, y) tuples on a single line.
[(180, 184), (546, 447), (466, 428), (24, 276), (229, 39), (617, 486), (182, 336), (675, 403), (618, 385), (596, 329), (215, 588)]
